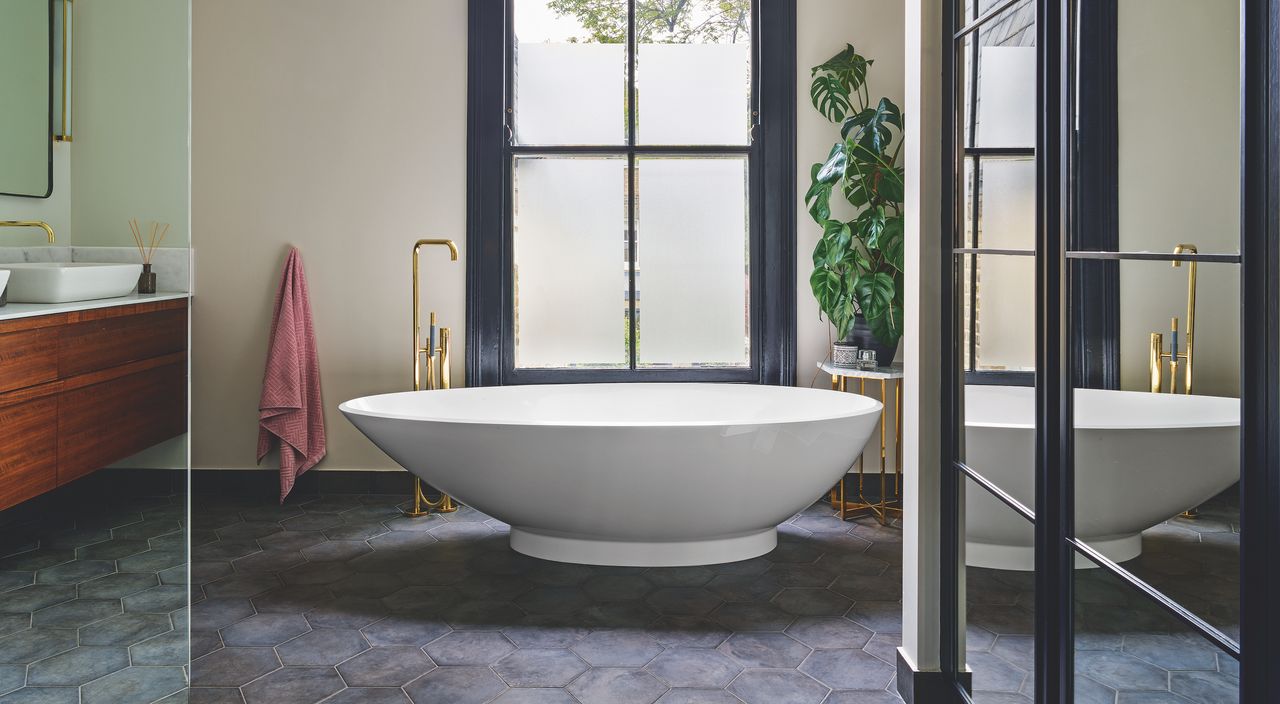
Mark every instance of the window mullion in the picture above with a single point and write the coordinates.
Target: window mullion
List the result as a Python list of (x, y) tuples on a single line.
[(631, 184)]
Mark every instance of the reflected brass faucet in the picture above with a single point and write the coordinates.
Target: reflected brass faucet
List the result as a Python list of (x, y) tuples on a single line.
[(1157, 357), (436, 354), (30, 223)]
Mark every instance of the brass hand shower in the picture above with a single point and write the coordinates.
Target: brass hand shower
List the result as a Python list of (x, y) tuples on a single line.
[(1157, 355), (435, 354)]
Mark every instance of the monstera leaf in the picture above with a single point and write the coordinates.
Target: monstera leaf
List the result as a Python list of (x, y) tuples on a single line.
[(858, 263)]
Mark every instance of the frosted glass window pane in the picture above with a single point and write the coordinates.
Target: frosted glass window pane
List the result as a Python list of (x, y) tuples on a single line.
[(569, 245), (1006, 107), (1006, 307), (570, 83), (691, 240), (1008, 204), (693, 93)]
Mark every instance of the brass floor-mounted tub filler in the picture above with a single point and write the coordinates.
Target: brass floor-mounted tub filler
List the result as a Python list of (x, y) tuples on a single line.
[(1156, 360), (435, 375)]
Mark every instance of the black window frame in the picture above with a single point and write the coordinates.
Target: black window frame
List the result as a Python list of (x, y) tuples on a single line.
[(771, 156)]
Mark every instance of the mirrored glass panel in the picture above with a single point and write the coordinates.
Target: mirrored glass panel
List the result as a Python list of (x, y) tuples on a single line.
[(25, 82), (570, 72), (570, 279), (692, 277)]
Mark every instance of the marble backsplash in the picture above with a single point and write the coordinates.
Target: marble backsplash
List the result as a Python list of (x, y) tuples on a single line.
[(171, 264)]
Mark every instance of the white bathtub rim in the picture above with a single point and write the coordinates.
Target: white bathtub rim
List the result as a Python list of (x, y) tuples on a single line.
[(1088, 424), (856, 405), (587, 550)]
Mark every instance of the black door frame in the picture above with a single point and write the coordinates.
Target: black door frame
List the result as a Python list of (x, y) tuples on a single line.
[(772, 178), (1057, 291)]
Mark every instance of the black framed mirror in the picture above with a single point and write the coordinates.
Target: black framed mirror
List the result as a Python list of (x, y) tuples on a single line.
[(26, 82)]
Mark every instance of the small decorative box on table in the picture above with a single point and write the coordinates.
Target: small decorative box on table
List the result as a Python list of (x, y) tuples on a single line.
[(889, 503)]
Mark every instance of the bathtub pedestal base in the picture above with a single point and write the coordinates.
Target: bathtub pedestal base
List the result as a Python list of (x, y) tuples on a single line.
[(590, 551), (1022, 558)]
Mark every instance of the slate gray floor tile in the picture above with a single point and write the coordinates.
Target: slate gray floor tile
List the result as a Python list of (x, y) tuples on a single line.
[(752, 616), (125, 629), (369, 695), (622, 648), (232, 667), (269, 629), (152, 560), (13, 580), (865, 697), (293, 685), (694, 668), (134, 684), (458, 685), (535, 696), (76, 613), (75, 572), (812, 602), (387, 666), (846, 668), (817, 632), (115, 586), (698, 696), (778, 687), (12, 623), (347, 612), (12, 677), (322, 646), (683, 601), (215, 613), (1120, 670), (775, 650), (172, 648), (36, 596), (469, 648), (546, 631), (77, 666), (43, 695), (610, 685), (401, 629), (540, 667), (36, 643)]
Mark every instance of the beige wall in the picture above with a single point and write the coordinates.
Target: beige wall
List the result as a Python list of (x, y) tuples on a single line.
[(340, 127), (1179, 174)]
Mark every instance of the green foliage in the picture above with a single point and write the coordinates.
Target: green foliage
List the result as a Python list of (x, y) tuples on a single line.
[(659, 21), (857, 264)]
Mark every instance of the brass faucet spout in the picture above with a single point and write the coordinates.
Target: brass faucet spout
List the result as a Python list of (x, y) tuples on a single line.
[(30, 223)]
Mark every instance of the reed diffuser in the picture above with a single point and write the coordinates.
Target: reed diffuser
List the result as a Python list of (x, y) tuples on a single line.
[(147, 249)]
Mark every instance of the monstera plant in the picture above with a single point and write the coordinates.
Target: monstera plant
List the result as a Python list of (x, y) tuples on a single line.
[(857, 264)]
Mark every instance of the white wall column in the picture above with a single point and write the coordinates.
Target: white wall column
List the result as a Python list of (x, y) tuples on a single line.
[(922, 111)]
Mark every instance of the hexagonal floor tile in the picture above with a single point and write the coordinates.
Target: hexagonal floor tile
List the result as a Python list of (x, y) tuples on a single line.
[(540, 667), (469, 648), (694, 667), (847, 668), (405, 629), (76, 613), (293, 684), (322, 646), (125, 629), (77, 666), (765, 650), (623, 648), (268, 629), (457, 685), (778, 687), (232, 667), (612, 685), (140, 684), (387, 666)]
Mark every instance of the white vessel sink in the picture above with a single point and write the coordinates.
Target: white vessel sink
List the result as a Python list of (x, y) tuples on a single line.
[(63, 282), (4, 281)]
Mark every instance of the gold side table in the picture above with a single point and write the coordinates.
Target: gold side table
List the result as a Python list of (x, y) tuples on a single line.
[(890, 502)]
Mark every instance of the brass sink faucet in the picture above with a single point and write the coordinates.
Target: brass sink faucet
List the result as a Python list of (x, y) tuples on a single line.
[(30, 223)]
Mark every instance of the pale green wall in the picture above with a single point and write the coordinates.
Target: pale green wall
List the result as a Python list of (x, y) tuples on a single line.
[(131, 95)]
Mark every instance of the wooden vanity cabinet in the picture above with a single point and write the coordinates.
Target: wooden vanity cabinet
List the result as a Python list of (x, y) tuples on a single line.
[(83, 389)]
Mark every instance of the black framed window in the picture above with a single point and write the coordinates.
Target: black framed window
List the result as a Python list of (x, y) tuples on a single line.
[(631, 191)]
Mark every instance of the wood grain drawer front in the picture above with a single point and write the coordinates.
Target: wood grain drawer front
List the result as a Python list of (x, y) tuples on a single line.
[(107, 422), (99, 344), (28, 358), (28, 450)]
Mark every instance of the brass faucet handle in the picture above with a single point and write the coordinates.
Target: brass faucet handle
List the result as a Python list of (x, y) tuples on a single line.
[(30, 223)]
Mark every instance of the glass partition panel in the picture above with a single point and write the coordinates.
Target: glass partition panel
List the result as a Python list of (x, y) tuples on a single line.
[(570, 279), (1130, 649), (691, 238), (999, 597)]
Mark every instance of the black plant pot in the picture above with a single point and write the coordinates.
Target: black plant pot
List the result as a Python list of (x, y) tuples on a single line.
[(861, 336)]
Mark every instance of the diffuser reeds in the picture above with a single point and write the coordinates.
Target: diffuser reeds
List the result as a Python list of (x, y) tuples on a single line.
[(147, 247)]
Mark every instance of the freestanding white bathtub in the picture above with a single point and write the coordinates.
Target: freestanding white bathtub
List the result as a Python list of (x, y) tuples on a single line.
[(626, 474), (1140, 458)]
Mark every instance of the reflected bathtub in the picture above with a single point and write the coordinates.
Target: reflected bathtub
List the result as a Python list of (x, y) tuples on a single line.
[(626, 474), (1140, 458)]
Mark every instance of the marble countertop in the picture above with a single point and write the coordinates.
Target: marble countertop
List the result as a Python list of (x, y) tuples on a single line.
[(28, 310), (892, 372)]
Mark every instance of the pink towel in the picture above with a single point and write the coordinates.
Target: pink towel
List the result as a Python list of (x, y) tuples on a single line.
[(291, 409)]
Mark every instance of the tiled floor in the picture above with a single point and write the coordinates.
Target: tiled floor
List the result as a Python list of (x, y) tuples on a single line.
[(1127, 648), (339, 599), (93, 606)]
